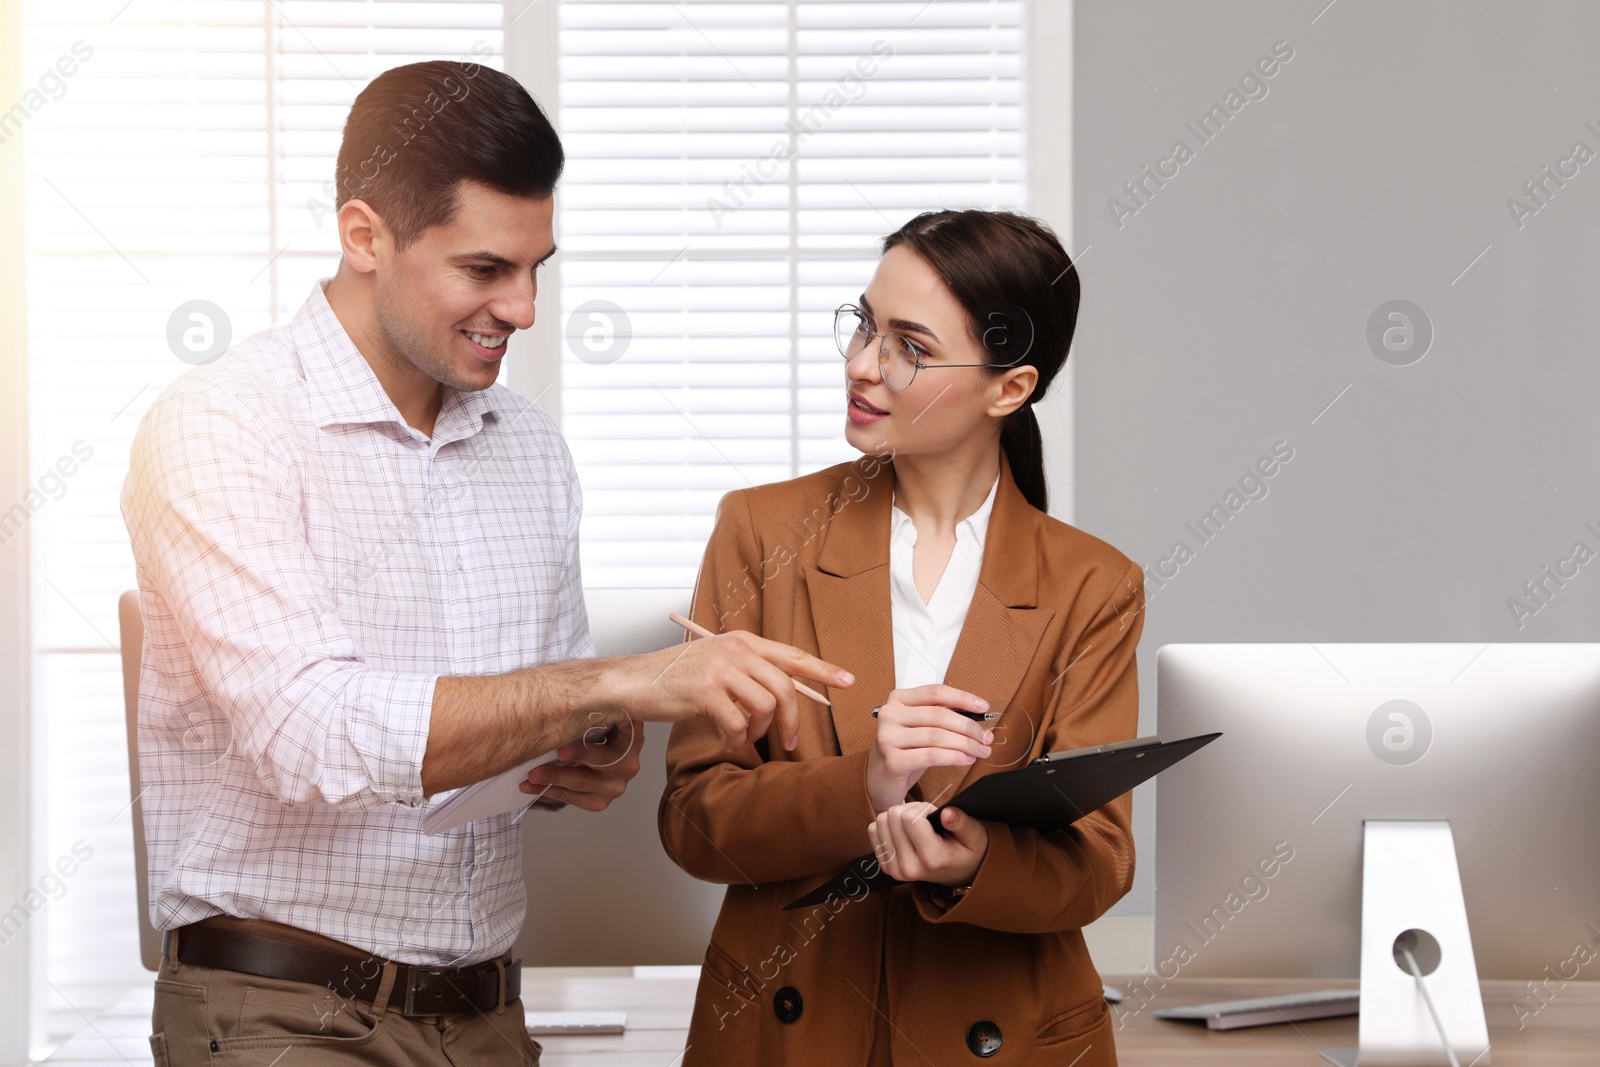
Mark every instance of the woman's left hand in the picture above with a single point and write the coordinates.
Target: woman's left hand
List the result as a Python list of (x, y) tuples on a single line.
[(908, 848)]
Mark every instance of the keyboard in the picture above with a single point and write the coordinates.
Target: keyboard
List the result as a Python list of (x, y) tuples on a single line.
[(1264, 1011), (546, 1023)]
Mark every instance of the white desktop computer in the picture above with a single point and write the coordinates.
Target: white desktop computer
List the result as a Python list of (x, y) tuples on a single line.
[(1416, 815)]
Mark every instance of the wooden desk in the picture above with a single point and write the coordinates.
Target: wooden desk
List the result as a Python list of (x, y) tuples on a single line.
[(1565, 1031)]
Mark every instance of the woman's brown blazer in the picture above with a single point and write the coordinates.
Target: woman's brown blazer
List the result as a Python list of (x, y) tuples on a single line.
[(1049, 642)]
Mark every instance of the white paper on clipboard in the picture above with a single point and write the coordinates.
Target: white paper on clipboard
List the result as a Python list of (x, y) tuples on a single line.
[(492, 796)]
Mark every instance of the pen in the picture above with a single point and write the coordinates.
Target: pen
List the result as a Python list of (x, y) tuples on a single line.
[(975, 716), (696, 628)]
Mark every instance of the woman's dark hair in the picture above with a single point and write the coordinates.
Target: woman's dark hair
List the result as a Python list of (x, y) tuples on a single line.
[(417, 130), (1020, 292)]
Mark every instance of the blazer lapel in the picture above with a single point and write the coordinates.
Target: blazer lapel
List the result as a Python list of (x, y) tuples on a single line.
[(999, 638), (850, 611), (849, 591)]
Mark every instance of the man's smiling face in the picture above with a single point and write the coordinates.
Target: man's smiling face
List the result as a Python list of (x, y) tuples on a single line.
[(449, 302)]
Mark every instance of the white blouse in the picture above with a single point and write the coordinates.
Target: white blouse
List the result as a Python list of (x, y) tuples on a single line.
[(925, 634)]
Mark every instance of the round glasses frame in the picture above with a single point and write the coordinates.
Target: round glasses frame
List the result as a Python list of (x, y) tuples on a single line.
[(895, 352)]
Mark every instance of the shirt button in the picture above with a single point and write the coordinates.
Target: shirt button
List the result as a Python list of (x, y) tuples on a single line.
[(983, 1039), (461, 564)]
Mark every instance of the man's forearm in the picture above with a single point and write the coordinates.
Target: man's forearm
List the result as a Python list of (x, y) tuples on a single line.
[(481, 726)]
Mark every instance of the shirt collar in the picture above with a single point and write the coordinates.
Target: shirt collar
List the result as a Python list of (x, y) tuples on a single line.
[(341, 388), (975, 526)]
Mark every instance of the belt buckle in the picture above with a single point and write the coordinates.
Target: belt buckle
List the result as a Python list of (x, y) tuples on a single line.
[(450, 978), (413, 976), (456, 979)]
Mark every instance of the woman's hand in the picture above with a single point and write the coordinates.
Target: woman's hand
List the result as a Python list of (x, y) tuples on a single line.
[(917, 730), (907, 846)]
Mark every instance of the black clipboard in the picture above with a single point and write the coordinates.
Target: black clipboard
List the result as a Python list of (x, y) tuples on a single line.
[(1051, 793)]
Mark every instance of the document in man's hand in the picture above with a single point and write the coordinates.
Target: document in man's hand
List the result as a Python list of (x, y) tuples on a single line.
[(492, 796)]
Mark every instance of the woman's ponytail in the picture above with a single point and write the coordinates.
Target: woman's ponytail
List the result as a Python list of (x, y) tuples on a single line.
[(1024, 448)]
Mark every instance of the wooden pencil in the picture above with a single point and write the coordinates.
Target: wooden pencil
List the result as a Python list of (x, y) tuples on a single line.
[(696, 628)]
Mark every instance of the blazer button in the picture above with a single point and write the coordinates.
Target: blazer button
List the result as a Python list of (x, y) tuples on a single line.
[(787, 1005), (983, 1038)]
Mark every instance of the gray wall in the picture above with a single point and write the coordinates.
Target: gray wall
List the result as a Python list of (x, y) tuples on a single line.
[(1228, 311)]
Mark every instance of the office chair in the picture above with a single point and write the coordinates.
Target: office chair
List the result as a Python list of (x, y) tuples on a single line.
[(132, 633)]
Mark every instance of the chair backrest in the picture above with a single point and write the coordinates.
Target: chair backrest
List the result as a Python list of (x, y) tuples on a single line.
[(132, 627)]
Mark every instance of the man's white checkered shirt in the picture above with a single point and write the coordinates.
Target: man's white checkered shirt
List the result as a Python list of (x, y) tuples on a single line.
[(309, 566)]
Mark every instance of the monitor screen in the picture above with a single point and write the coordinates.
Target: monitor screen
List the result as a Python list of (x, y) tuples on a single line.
[(1259, 837)]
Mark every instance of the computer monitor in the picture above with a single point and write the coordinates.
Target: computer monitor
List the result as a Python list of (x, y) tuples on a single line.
[(1259, 838)]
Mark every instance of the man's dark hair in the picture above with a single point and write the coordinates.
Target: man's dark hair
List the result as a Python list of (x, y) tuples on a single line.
[(417, 130)]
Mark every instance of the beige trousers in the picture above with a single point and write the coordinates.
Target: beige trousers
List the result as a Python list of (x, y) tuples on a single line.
[(205, 1015)]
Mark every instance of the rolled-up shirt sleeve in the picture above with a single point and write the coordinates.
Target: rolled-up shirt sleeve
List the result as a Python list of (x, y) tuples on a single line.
[(214, 506)]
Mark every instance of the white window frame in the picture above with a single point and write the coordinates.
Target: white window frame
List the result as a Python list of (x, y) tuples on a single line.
[(1047, 166), (21, 965), (532, 56)]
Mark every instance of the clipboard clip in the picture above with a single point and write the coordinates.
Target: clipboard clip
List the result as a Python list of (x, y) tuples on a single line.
[(1093, 750)]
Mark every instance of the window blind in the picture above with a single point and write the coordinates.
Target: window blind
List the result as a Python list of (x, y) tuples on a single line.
[(186, 157), (731, 169)]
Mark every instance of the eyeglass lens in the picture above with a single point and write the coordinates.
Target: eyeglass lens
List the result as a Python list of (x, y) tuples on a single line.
[(896, 362)]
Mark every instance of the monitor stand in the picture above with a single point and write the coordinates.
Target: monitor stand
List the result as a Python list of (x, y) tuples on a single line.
[(1419, 979)]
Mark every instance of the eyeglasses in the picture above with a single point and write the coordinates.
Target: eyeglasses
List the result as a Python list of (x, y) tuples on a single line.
[(898, 358)]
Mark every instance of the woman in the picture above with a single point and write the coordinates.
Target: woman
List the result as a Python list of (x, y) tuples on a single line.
[(929, 569)]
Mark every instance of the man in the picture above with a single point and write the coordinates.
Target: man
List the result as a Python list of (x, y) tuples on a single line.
[(358, 559)]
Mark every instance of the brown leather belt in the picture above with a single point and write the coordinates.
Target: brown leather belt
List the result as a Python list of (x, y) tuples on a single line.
[(343, 969)]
